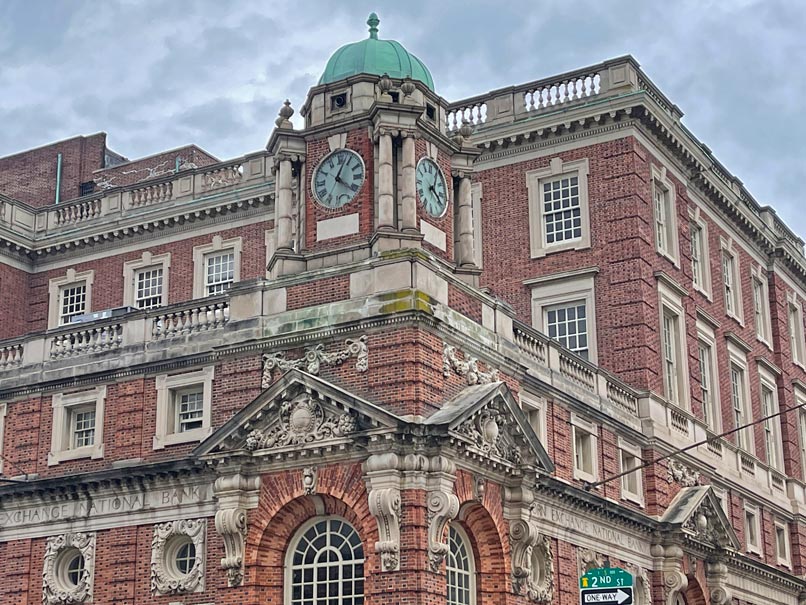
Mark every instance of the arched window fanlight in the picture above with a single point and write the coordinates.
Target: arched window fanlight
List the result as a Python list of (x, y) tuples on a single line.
[(325, 564), (460, 569)]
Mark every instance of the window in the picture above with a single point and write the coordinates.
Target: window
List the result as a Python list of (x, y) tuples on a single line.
[(183, 407), (700, 258), (77, 425), (177, 557), (752, 529), (69, 568), (782, 543), (631, 484), (738, 400), (568, 325), (325, 565), (802, 426), (535, 409), (563, 307), (709, 378), (772, 427), (216, 266), (145, 281), (583, 434), (672, 342), (663, 203), (459, 568), (70, 296), (730, 281), (795, 317), (219, 272), (558, 207), (761, 305)]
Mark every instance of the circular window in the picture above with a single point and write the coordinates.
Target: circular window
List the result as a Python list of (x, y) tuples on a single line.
[(70, 568), (181, 555)]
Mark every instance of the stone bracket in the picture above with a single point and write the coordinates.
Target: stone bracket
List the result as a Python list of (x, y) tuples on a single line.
[(382, 476), (235, 493), (443, 506)]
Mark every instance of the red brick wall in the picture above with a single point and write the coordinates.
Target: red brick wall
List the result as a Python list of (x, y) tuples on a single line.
[(13, 300), (30, 176), (319, 292)]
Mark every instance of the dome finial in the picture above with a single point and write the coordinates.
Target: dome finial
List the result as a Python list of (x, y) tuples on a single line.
[(373, 22)]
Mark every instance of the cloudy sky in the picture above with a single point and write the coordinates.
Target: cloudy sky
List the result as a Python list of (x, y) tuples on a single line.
[(160, 74)]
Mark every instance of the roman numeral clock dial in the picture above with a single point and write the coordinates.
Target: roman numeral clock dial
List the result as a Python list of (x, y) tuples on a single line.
[(432, 189), (338, 178)]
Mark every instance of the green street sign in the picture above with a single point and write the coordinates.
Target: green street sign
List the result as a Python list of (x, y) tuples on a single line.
[(606, 577)]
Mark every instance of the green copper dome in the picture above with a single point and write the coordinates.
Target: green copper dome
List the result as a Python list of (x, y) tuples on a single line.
[(374, 56)]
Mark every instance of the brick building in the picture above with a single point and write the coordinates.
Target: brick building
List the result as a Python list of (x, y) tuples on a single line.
[(403, 355)]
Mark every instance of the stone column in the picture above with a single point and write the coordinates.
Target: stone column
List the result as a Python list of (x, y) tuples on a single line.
[(464, 223), (386, 197), (283, 224), (408, 186)]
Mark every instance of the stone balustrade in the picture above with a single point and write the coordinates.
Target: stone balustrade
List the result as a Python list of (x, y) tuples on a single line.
[(77, 212), (205, 315), (86, 338), (11, 355)]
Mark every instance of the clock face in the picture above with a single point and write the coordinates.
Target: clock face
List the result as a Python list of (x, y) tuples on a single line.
[(338, 178), (431, 187)]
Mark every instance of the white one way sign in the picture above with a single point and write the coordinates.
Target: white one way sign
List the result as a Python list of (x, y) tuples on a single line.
[(607, 596)]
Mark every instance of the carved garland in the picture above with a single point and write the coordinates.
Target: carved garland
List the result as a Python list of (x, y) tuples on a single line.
[(315, 357), (164, 579), (58, 554), (682, 474), (302, 420), (467, 368)]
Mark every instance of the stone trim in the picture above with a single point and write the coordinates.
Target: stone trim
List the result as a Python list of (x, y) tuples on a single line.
[(671, 248), (3, 412), (580, 424), (59, 551), (534, 179), (216, 245), (166, 579), (64, 405), (633, 450), (167, 387), (696, 218), (754, 510), (671, 302), (146, 260), (57, 284)]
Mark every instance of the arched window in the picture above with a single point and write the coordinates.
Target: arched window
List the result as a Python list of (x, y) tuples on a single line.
[(460, 568), (325, 564)]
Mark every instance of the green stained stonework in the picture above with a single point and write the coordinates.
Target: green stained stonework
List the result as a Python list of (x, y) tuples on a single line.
[(377, 57)]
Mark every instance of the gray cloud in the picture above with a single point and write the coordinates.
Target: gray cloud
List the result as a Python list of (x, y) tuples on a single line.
[(156, 75)]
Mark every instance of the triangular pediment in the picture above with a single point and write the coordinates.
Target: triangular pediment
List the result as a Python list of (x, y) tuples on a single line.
[(299, 411), (485, 421), (697, 512)]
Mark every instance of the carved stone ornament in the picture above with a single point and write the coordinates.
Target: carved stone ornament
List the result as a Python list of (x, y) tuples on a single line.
[(60, 551), (479, 488), (588, 559), (704, 525), (716, 576), (467, 368), (166, 578), (383, 487), (642, 585), (532, 562), (682, 474), (491, 433), (314, 357), (230, 524), (302, 420), (443, 506), (309, 477)]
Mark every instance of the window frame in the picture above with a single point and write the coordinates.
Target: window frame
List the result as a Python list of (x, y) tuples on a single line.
[(664, 221), (786, 560), (634, 452), (731, 280), (58, 284), (745, 439), (796, 333), (707, 338), (200, 255), (761, 317), (471, 572), (562, 288), (132, 268), (64, 406), (534, 407), (168, 388), (288, 556), (771, 427), (698, 223), (754, 511), (535, 179), (670, 304), (592, 431)]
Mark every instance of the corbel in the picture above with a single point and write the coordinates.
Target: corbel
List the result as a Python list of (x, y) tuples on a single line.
[(235, 493), (443, 506), (382, 476)]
